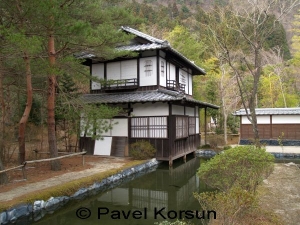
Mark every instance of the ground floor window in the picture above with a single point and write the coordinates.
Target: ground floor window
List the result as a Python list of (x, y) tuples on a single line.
[(149, 127), (192, 125), (182, 126)]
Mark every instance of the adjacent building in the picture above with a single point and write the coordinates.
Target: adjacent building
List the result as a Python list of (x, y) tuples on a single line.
[(275, 125)]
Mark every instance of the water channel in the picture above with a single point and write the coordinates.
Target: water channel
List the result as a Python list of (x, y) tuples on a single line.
[(144, 200)]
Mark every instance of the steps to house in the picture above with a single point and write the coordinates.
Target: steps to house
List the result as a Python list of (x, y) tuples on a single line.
[(118, 146)]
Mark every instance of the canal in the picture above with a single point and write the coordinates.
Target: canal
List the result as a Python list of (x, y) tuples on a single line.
[(161, 193)]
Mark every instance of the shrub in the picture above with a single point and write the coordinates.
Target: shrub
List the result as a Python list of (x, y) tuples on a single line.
[(215, 141), (243, 166), (142, 150), (227, 147), (206, 146), (236, 207), (236, 173)]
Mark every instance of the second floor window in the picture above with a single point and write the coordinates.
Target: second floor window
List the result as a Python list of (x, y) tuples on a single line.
[(148, 68), (162, 68), (182, 78)]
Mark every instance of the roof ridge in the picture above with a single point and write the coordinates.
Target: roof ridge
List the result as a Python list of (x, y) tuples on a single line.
[(143, 35)]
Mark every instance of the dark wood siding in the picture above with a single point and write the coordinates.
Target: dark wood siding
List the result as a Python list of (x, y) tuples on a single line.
[(273, 131), (172, 145), (87, 144)]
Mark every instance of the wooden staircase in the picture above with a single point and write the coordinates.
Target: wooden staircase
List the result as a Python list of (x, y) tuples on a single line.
[(118, 146)]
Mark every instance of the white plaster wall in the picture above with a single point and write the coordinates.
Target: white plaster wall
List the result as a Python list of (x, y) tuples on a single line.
[(163, 72), (286, 119), (263, 119), (113, 71), (148, 78), (260, 120), (189, 111), (245, 120), (97, 71), (177, 110), (103, 147), (129, 69), (149, 109), (183, 79), (197, 125), (171, 72), (190, 78), (119, 128), (83, 126)]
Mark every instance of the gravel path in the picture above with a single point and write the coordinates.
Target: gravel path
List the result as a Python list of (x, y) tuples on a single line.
[(281, 192)]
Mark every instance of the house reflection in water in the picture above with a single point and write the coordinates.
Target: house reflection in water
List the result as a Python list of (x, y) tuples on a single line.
[(169, 188), (164, 187)]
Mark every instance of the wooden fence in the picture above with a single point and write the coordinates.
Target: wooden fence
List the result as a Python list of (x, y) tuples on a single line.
[(42, 160)]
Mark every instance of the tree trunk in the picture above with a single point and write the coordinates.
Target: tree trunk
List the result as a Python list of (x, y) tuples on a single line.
[(3, 176), (24, 119), (55, 165)]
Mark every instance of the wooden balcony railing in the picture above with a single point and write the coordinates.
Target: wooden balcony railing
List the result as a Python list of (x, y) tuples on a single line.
[(120, 84), (174, 86)]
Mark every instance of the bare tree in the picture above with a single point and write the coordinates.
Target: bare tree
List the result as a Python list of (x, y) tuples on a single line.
[(240, 31)]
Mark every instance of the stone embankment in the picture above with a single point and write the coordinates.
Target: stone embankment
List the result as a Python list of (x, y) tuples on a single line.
[(38, 209)]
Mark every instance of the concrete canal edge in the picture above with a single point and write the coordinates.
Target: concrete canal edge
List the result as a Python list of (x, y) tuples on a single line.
[(38, 209)]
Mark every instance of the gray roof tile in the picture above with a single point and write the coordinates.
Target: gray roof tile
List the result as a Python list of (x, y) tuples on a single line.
[(270, 111), (159, 95)]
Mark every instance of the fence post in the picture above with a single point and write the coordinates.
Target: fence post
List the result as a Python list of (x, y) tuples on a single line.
[(24, 171), (83, 158)]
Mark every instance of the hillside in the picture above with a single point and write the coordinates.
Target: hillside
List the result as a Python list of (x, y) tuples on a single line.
[(190, 8)]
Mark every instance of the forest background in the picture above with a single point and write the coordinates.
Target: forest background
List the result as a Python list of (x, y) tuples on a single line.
[(39, 73)]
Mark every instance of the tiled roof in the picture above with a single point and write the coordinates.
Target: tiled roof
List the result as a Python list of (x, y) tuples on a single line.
[(153, 44), (142, 96), (157, 44), (270, 111), (142, 35)]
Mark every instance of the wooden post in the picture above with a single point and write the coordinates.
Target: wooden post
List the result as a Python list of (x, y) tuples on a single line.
[(83, 161), (36, 153), (184, 158), (24, 171)]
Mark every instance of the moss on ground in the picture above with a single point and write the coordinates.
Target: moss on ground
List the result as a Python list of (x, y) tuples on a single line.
[(66, 189)]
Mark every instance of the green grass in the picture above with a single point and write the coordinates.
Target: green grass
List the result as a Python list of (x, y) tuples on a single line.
[(66, 189)]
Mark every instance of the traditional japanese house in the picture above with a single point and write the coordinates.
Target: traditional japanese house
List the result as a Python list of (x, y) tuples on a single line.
[(155, 87), (274, 125)]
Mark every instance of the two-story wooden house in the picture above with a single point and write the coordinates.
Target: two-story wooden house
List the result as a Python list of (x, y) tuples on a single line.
[(155, 87)]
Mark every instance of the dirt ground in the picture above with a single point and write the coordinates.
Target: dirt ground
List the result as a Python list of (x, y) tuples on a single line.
[(280, 193), (40, 176)]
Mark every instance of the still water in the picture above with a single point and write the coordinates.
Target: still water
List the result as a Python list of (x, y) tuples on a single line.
[(145, 200)]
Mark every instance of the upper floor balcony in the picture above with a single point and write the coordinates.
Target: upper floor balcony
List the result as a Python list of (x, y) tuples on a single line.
[(174, 86), (120, 84)]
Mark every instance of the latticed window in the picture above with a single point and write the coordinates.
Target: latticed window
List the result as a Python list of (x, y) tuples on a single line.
[(149, 127), (182, 126), (182, 78), (148, 68), (192, 125), (162, 68)]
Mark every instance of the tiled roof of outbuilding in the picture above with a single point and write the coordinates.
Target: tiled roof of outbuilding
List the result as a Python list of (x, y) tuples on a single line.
[(159, 95), (270, 111)]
